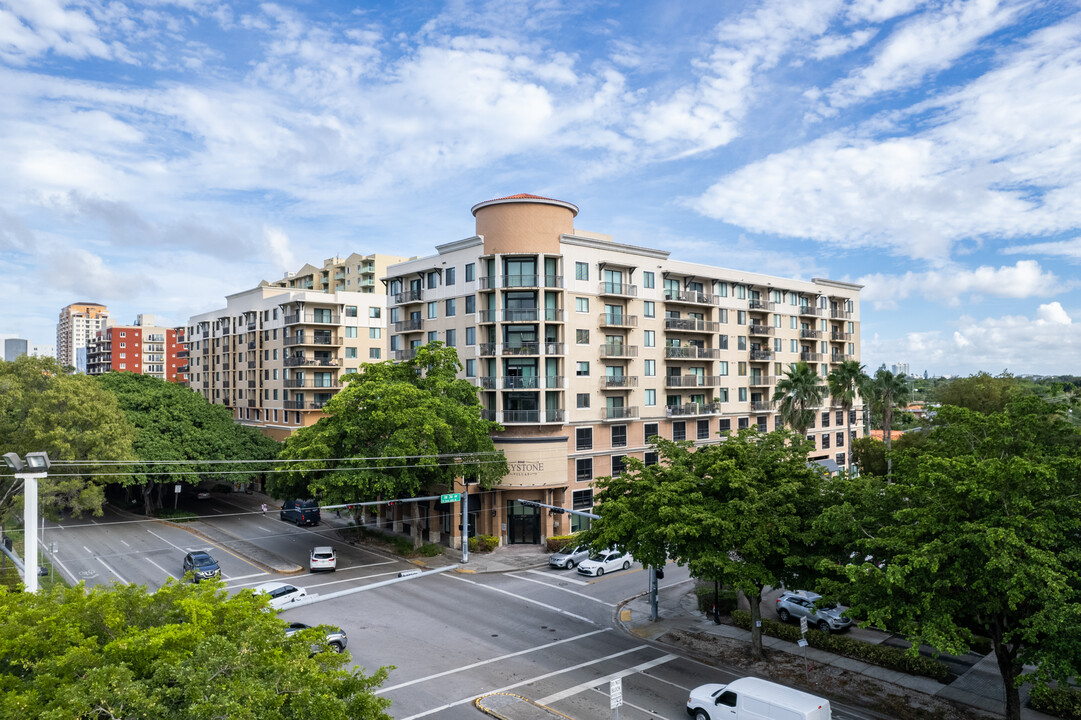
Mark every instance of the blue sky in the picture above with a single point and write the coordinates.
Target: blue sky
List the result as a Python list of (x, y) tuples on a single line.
[(156, 156)]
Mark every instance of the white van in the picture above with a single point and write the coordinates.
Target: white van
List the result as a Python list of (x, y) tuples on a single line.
[(754, 699)]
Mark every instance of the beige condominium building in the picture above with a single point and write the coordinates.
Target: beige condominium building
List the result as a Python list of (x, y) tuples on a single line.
[(275, 354), (79, 322), (583, 348)]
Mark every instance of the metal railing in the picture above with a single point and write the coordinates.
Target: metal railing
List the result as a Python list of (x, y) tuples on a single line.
[(618, 350), (312, 318), (691, 325), (408, 296), (618, 320), (614, 288), (620, 381)]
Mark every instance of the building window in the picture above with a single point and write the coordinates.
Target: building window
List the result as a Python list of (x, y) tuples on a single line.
[(826, 419), (581, 337), (448, 276), (647, 279), (373, 312), (470, 336), (741, 317), (650, 338), (618, 464), (839, 458), (350, 332), (451, 310), (581, 271), (825, 441), (470, 272), (762, 424), (582, 369), (741, 423), (651, 398), (741, 369), (433, 280), (743, 395), (583, 469), (650, 309), (583, 438), (470, 304), (619, 436), (651, 368), (470, 368), (741, 343), (651, 458), (722, 316), (679, 430), (581, 305), (374, 353), (722, 367), (452, 337), (722, 342), (350, 310), (840, 417), (350, 352), (703, 429), (433, 335), (433, 310), (852, 418), (726, 425), (650, 430), (374, 333), (583, 400), (839, 440)]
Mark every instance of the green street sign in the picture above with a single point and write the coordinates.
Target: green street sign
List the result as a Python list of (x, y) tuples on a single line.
[(452, 497)]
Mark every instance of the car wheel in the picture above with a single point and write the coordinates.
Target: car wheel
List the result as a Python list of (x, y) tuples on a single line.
[(570, 565), (783, 615), (281, 516), (626, 564), (600, 571), (336, 647), (700, 715), (823, 626)]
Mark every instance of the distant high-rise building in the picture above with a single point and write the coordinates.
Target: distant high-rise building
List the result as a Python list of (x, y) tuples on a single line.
[(143, 348), (13, 348), (78, 323), (900, 369)]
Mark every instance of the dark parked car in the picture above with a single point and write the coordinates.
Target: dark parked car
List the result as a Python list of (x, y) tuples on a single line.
[(201, 565), (301, 512)]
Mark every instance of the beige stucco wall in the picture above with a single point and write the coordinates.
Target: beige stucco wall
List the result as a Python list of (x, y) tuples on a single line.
[(523, 227)]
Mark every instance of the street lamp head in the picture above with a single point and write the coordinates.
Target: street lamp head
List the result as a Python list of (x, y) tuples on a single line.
[(38, 460), (13, 461)]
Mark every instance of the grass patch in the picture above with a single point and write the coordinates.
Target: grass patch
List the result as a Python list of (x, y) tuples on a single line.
[(176, 515), (1063, 702)]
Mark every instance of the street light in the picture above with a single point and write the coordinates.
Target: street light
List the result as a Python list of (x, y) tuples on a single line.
[(34, 468)]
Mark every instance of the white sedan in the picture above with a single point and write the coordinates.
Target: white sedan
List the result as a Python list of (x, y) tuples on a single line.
[(281, 594), (607, 561)]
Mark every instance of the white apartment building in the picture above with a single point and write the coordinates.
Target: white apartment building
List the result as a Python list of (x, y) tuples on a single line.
[(583, 348), (79, 322)]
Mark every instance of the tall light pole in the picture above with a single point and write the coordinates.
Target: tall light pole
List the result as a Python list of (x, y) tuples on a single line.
[(34, 468)]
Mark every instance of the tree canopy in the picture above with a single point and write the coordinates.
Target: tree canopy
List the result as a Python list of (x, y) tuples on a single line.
[(797, 395), (173, 424), (981, 392), (395, 429), (185, 651)]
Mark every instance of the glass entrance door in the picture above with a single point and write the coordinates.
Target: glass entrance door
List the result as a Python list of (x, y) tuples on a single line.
[(523, 524)]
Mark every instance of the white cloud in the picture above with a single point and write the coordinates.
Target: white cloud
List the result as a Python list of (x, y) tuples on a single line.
[(1023, 280), (278, 247), (880, 10), (30, 28), (829, 46), (1064, 248)]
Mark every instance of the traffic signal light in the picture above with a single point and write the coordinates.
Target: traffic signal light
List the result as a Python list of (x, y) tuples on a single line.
[(530, 503)]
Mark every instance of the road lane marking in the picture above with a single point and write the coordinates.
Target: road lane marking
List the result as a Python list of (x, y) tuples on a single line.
[(64, 567), (88, 550), (571, 691), (114, 572), (125, 543), (561, 611), (562, 579), (566, 590), (170, 544), (245, 577), (492, 660), (507, 688), (632, 705), (159, 567)]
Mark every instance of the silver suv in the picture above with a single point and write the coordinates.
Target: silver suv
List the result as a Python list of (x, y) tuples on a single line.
[(336, 638), (804, 603), (568, 557)]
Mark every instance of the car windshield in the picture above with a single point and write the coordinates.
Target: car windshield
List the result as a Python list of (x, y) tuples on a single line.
[(203, 560), (598, 558), (324, 555)]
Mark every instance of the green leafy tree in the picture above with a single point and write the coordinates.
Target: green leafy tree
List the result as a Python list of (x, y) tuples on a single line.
[(889, 392), (185, 651), (72, 419), (980, 392), (176, 427), (798, 394), (740, 512), (978, 534), (394, 430), (845, 383)]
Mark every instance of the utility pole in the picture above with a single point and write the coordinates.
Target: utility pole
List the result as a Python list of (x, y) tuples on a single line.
[(38, 464)]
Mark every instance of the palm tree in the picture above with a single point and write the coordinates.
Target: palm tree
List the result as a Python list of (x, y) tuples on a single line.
[(797, 396), (892, 391), (846, 381)]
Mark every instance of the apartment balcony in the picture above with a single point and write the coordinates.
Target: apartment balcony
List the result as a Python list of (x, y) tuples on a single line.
[(521, 315), (513, 382), (554, 348), (251, 325), (553, 315), (761, 355), (810, 311), (840, 314), (309, 362), (763, 380), (317, 384), (251, 344), (555, 382), (524, 417), (225, 366), (691, 325), (410, 325), (366, 282), (691, 352), (618, 320), (691, 296), (619, 289), (312, 319), (251, 403), (553, 281), (690, 409), (840, 357), (620, 382), (183, 369), (691, 381), (486, 349), (225, 384), (408, 296), (304, 404), (840, 337), (487, 316), (618, 350), (251, 384), (311, 340), (619, 413), (759, 330), (403, 355), (760, 406), (808, 334), (181, 354), (811, 356), (529, 348), (206, 350), (251, 364), (548, 382), (760, 306)]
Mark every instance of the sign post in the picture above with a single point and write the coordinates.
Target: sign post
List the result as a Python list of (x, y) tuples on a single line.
[(615, 694), (803, 644)]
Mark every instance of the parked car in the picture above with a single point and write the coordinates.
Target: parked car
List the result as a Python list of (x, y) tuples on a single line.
[(752, 698), (322, 558), (570, 556), (281, 594), (201, 566), (301, 512), (607, 561), (336, 638), (803, 603)]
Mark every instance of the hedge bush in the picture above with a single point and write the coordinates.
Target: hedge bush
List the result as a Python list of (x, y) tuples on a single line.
[(1060, 702), (558, 542), (881, 655), (483, 543), (726, 600)]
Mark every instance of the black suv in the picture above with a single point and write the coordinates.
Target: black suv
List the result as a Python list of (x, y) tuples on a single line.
[(301, 512), (201, 565)]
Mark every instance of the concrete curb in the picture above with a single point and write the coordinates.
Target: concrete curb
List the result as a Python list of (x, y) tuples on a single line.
[(508, 706)]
